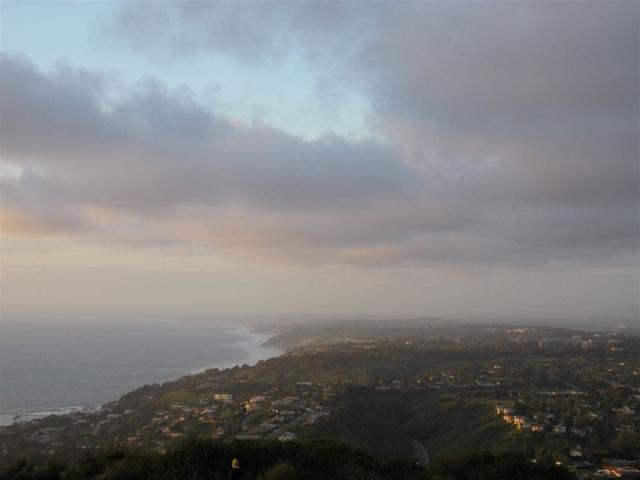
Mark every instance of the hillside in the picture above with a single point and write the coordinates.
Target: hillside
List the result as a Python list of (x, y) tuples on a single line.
[(392, 399)]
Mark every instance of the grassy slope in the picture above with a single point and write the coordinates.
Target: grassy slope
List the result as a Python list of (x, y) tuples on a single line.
[(447, 427), (386, 422)]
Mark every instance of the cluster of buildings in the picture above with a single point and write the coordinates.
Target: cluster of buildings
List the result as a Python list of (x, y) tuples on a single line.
[(146, 419), (523, 422), (273, 415), (539, 422), (616, 468), (270, 414)]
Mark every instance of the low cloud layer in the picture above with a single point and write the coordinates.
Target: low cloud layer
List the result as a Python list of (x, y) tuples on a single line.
[(502, 134)]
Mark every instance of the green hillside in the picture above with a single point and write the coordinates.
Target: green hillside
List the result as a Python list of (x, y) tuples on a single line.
[(387, 423)]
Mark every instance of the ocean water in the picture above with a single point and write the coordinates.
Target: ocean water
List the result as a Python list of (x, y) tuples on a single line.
[(58, 367)]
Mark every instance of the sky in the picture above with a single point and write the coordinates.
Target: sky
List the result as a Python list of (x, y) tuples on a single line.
[(472, 159)]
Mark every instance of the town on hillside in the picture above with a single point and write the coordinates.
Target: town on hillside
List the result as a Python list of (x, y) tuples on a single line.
[(408, 391)]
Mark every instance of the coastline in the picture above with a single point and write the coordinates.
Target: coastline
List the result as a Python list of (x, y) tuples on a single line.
[(254, 348)]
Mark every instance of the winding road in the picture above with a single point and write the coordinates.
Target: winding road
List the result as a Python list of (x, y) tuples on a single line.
[(420, 453)]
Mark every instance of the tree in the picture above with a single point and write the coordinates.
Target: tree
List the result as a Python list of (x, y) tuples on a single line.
[(282, 471)]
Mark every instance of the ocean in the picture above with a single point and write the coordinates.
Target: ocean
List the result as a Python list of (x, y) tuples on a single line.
[(61, 367)]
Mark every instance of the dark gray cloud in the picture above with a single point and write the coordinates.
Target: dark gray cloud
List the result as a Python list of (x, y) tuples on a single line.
[(510, 136), (153, 148), (548, 92), (507, 60)]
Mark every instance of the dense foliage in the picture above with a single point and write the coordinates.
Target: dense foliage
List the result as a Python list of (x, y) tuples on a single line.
[(490, 466), (317, 459), (272, 460)]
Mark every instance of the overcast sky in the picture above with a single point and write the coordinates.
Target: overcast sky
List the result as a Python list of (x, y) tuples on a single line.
[(190, 158)]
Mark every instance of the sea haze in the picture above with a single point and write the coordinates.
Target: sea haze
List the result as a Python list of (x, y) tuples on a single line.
[(51, 367)]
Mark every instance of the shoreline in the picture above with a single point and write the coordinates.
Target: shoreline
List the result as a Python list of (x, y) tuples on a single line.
[(254, 348)]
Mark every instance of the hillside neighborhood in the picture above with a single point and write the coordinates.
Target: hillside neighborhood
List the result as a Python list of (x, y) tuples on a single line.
[(570, 396)]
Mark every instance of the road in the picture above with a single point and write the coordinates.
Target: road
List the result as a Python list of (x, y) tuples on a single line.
[(420, 453)]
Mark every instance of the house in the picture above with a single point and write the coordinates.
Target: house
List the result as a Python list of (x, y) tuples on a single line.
[(285, 402), (223, 397), (486, 383), (621, 468), (315, 417), (520, 419), (248, 436), (560, 429), (287, 436), (552, 343), (504, 410), (625, 428), (544, 416), (627, 411), (575, 453)]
